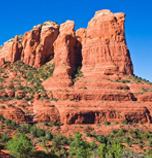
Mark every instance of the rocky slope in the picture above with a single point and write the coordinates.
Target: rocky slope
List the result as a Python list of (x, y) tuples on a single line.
[(54, 73)]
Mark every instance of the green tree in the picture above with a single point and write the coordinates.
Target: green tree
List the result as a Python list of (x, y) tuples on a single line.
[(33, 131), (102, 150), (48, 135), (40, 132), (79, 148), (20, 146)]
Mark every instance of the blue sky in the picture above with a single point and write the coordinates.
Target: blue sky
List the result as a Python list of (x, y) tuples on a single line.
[(17, 17)]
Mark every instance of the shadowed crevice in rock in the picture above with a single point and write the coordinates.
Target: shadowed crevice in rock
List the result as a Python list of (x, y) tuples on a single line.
[(49, 58), (82, 118), (78, 58), (78, 54)]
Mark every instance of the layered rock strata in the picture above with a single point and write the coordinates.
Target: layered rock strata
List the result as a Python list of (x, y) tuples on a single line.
[(104, 48)]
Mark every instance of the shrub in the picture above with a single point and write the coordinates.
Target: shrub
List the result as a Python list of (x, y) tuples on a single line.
[(77, 74), (125, 81), (150, 142), (52, 123), (101, 139), (27, 127), (7, 122), (59, 140), (40, 132), (1, 118), (58, 123), (3, 107), (106, 122), (23, 106), (48, 135), (13, 124), (42, 154), (33, 131), (124, 122), (5, 138), (116, 122), (70, 99), (1, 126), (20, 146), (79, 148)]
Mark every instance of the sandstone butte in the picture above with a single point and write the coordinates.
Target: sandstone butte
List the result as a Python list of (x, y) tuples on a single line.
[(100, 92)]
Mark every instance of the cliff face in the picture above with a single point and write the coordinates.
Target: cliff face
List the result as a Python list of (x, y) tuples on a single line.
[(11, 51), (104, 48), (64, 55), (38, 44), (101, 48)]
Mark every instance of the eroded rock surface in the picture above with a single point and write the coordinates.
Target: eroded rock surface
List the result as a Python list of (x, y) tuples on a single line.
[(34, 48), (104, 48), (38, 44), (44, 111), (11, 51), (65, 56)]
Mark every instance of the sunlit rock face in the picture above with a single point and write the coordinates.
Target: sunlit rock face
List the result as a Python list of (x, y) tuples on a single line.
[(64, 56), (38, 44), (11, 51), (104, 48)]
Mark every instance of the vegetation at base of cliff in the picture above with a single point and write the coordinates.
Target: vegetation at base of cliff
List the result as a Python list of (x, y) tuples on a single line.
[(26, 137), (133, 79), (24, 79), (25, 82)]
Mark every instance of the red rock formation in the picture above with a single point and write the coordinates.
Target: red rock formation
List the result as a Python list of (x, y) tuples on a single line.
[(38, 44), (91, 112), (91, 94), (146, 97), (36, 47), (11, 51), (64, 48), (104, 55), (104, 49), (12, 113), (45, 112)]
